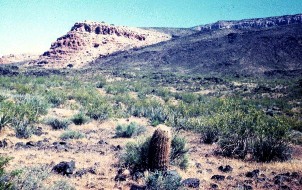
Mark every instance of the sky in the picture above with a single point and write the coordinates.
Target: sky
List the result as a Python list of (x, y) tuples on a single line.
[(30, 26)]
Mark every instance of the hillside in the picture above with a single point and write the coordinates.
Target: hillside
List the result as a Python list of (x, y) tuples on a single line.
[(235, 51)]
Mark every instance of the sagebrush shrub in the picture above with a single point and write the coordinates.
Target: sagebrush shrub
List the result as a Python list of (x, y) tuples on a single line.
[(23, 129), (99, 109), (32, 177), (71, 135), (5, 119), (57, 124), (130, 130), (179, 152), (80, 119), (164, 181), (61, 185), (6, 179), (209, 134), (265, 137), (101, 83)]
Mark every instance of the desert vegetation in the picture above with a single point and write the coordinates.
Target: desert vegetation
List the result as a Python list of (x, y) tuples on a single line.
[(245, 120)]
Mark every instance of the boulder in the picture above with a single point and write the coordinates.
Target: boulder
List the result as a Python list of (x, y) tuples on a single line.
[(64, 168), (253, 173), (225, 169), (191, 182), (218, 177)]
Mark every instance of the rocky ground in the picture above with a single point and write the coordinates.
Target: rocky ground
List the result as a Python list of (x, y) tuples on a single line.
[(96, 160)]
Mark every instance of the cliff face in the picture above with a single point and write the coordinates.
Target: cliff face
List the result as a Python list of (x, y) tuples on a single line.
[(87, 41), (253, 23)]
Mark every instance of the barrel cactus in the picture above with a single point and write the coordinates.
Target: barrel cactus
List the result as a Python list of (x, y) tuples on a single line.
[(159, 149)]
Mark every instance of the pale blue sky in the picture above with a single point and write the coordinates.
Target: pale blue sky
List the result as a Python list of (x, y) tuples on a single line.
[(30, 26)]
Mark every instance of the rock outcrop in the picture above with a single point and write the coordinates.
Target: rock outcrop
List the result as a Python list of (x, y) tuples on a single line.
[(253, 23), (87, 41)]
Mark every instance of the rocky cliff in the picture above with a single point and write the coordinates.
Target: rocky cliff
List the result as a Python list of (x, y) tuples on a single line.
[(87, 41), (253, 23)]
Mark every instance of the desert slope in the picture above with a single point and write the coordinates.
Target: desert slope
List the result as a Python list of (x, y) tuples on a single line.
[(228, 51)]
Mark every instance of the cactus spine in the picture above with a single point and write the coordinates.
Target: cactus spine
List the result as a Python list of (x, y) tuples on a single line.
[(159, 149)]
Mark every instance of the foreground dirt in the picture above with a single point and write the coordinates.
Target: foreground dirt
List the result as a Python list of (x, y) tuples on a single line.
[(100, 150)]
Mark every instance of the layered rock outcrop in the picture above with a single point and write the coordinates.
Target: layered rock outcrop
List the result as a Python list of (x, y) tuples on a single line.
[(87, 41), (253, 23)]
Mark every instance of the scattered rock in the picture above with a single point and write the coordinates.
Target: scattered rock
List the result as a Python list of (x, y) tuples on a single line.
[(116, 148), (295, 175), (229, 178), (137, 187), (209, 170), (38, 131), (284, 187), (64, 168), (122, 175), (225, 169), (218, 177), (247, 187), (214, 186), (19, 145), (60, 145), (84, 171), (102, 142), (249, 181), (191, 182), (253, 173), (262, 179), (137, 175), (3, 143), (280, 178), (30, 144), (198, 165)]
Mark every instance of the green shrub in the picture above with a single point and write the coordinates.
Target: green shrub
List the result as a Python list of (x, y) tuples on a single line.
[(209, 134), (61, 185), (150, 109), (23, 89), (254, 132), (80, 119), (56, 97), (32, 177), (272, 139), (101, 83), (71, 135), (179, 152), (99, 109), (130, 130), (164, 181), (117, 88), (5, 119), (136, 155), (296, 137), (28, 107), (2, 97), (23, 129), (6, 179), (57, 124)]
